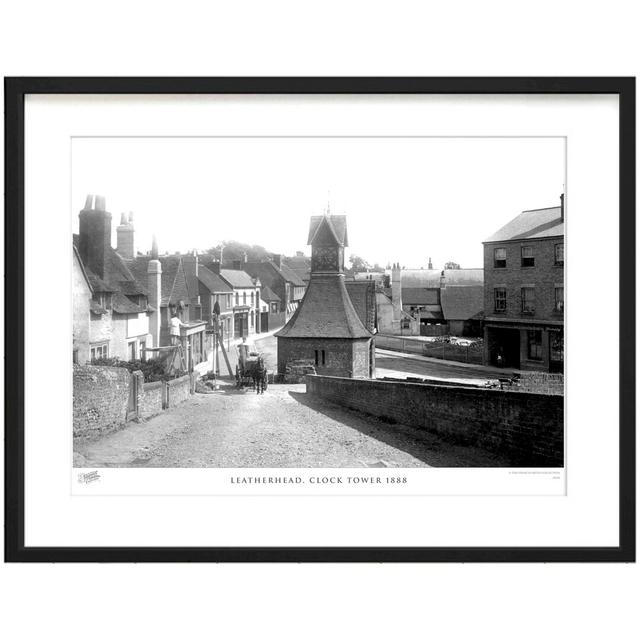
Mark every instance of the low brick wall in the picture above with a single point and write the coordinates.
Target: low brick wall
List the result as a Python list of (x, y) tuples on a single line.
[(151, 399), (541, 382), (100, 399), (178, 391), (527, 428)]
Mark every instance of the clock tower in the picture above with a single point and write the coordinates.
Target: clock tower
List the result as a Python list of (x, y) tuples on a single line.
[(326, 331), (327, 243)]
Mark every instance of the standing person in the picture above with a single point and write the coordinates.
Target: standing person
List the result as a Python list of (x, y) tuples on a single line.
[(174, 328)]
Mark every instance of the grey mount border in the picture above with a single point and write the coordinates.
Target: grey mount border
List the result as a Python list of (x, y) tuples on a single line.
[(15, 91)]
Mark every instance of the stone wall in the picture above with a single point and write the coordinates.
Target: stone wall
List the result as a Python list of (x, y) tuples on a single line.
[(100, 399), (527, 428), (151, 399), (178, 391)]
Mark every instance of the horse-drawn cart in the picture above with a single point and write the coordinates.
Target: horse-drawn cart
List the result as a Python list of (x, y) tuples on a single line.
[(251, 370)]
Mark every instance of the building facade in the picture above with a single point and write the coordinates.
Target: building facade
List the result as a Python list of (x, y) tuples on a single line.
[(325, 330), (524, 292)]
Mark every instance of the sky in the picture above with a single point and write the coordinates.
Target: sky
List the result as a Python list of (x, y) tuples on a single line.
[(406, 199)]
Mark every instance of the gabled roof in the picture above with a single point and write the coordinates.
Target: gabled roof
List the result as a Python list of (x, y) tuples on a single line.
[(117, 274), (76, 255), (213, 281), (326, 311), (237, 279), (267, 269), (300, 265), (336, 224), (269, 296), (532, 224), (462, 303)]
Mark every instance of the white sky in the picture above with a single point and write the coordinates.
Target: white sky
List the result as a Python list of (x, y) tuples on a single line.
[(405, 198)]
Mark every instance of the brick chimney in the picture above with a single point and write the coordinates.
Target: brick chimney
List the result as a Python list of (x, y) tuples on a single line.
[(276, 258), (125, 237), (95, 234), (154, 285), (215, 267)]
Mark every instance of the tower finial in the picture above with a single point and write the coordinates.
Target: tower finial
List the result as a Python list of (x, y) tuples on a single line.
[(328, 202)]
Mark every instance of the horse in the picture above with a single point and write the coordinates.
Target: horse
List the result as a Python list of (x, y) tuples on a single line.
[(259, 375)]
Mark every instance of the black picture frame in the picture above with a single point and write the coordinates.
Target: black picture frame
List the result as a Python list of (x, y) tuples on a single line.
[(15, 91)]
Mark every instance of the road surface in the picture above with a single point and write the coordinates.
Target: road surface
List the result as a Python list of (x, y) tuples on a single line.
[(282, 428)]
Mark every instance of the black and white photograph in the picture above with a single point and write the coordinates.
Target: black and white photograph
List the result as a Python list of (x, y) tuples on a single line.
[(353, 302)]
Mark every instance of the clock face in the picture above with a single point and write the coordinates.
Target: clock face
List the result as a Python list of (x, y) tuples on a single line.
[(325, 259)]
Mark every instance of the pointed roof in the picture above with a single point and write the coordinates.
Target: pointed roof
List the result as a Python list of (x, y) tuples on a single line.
[(337, 225), (326, 311), (268, 295)]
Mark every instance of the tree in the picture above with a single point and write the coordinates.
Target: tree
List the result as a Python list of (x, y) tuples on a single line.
[(358, 264), (451, 265), (234, 250)]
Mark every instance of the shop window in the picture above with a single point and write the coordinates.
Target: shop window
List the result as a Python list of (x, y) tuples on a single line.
[(534, 345)]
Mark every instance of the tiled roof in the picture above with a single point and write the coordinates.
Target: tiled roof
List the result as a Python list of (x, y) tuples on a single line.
[(363, 298), (337, 224), (416, 278), (290, 275), (325, 311), (236, 278), (122, 304), (269, 296), (268, 272), (300, 265), (213, 281), (117, 275), (462, 302), (535, 223), (419, 295)]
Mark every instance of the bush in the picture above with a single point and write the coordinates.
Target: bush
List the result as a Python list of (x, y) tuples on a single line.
[(152, 370)]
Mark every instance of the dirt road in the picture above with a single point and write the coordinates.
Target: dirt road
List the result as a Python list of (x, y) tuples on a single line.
[(282, 428)]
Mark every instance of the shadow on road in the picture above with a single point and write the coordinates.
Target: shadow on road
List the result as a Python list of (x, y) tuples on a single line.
[(424, 446)]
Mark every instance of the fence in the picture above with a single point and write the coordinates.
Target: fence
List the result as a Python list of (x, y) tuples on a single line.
[(473, 353)]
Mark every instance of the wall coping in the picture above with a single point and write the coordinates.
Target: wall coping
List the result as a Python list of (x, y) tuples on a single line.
[(445, 387)]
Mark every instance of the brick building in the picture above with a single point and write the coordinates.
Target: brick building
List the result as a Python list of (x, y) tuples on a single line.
[(326, 330), (524, 291)]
